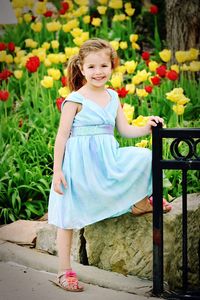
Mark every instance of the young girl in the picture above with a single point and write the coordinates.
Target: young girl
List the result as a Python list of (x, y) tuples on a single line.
[(93, 177)]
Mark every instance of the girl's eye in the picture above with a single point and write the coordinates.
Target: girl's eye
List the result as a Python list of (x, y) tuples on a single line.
[(104, 66), (90, 67)]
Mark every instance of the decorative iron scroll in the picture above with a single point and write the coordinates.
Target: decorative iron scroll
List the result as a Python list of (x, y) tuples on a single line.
[(192, 145)]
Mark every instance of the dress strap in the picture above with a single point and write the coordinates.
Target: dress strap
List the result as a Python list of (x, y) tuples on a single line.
[(72, 97)]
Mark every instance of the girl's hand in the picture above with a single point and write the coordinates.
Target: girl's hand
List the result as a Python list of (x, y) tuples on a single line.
[(153, 121), (58, 179)]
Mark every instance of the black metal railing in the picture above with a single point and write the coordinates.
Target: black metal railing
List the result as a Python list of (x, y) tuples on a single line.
[(190, 161)]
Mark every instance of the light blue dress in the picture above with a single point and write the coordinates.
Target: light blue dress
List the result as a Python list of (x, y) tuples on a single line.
[(104, 180)]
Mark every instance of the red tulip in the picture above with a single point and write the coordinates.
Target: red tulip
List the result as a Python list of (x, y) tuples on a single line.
[(146, 55), (64, 81), (59, 102), (153, 9), (161, 71), (4, 95), (122, 92), (172, 75), (5, 74), (3, 46), (11, 46), (65, 5), (33, 64), (155, 80), (148, 89), (48, 14)]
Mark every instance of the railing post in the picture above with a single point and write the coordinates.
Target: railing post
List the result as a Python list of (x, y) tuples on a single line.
[(157, 211)]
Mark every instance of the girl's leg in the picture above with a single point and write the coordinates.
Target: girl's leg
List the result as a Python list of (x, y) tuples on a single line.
[(64, 242), (66, 278)]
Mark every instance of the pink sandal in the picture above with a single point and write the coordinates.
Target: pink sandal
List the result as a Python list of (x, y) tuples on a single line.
[(137, 211), (68, 281), (167, 207)]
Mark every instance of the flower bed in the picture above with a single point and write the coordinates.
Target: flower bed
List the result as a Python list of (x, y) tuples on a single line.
[(33, 61)]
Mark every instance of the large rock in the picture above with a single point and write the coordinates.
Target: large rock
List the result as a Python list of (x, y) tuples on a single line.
[(124, 244)]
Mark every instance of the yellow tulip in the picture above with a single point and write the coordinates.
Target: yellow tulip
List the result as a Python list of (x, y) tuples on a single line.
[(141, 76), (96, 22), (133, 38), (120, 69), (165, 55), (76, 32), (30, 43), (175, 68), (40, 8), (86, 19), (78, 41), (193, 54), (135, 46), (62, 57), (127, 5), (54, 73), (128, 112), (53, 26), (140, 121), (178, 109), (47, 62), (47, 82), (115, 4), (82, 2), (27, 18), (40, 52), (123, 45), (70, 25), (54, 58), (18, 74), (9, 59), (115, 45), (55, 44), (80, 11), (142, 144), (119, 18), (64, 91), (130, 11), (185, 67), (102, 2), (177, 96), (153, 65), (181, 56), (131, 66), (69, 51), (130, 88), (116, 80), (141, 93), (2, 55), (101, 10), (37, 27), (195, 66), (46, 45), (20, 53)]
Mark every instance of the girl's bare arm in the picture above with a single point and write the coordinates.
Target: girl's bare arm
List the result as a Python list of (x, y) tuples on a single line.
[(130, 131)]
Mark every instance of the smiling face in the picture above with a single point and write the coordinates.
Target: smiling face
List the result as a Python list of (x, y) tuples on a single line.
[(97, 68)]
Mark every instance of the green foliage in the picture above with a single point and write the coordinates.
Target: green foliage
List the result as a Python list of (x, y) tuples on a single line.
[(29, 118)]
